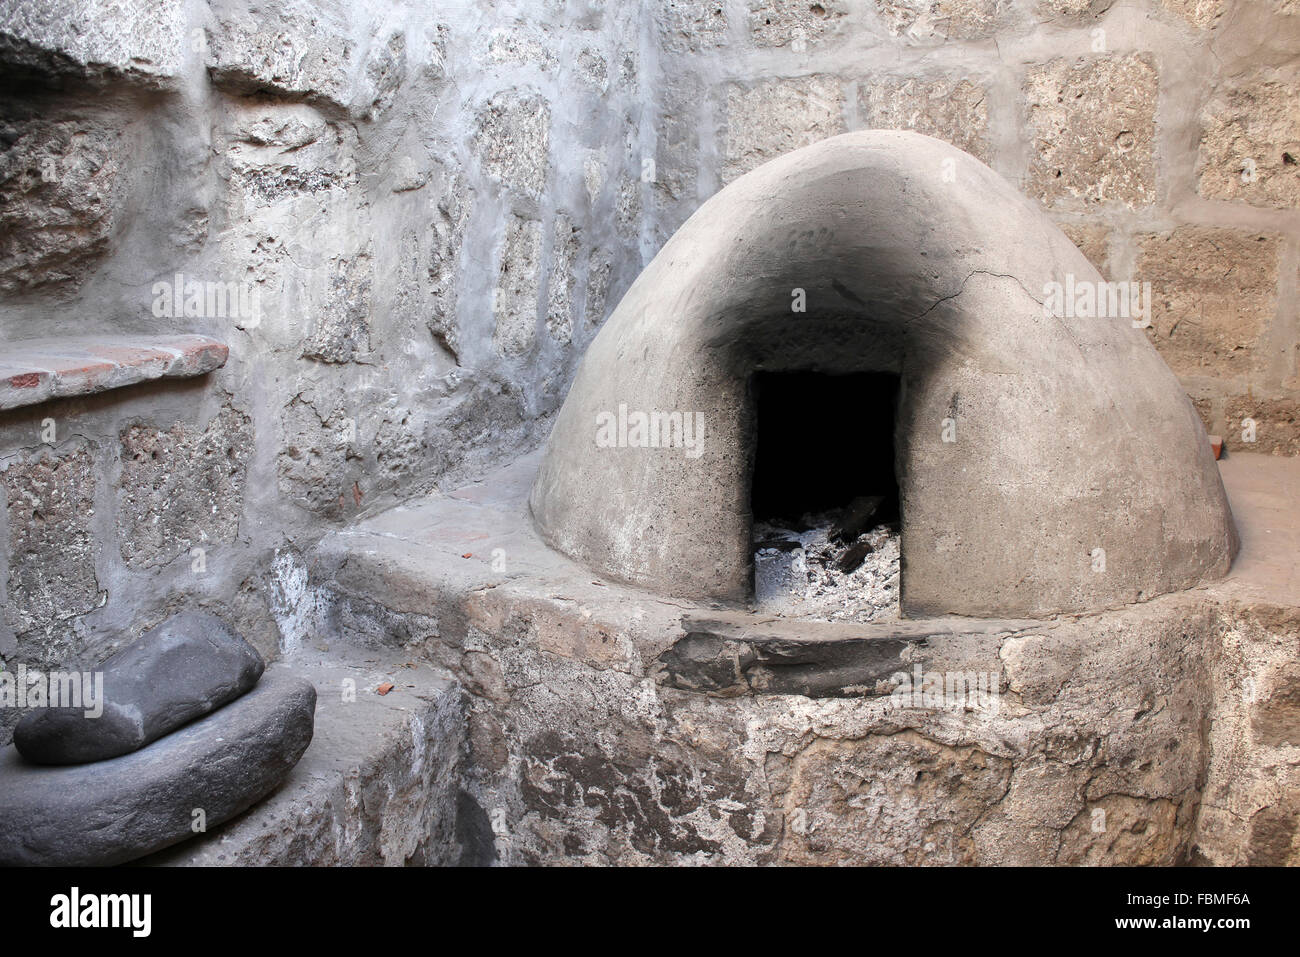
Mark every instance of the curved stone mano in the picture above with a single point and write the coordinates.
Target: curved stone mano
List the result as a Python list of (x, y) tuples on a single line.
[(915, 258), (117, 810), (185, 667)]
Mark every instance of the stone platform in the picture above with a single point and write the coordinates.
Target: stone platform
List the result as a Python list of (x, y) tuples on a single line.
[(378, 784), (572, 719)]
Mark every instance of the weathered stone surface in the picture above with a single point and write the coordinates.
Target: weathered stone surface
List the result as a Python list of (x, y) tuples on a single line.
[(1092, 122), (814, 659), (52, 540), (182, 488), (593, 69), (921, 796), (1250, 807), (1201, 13), (341, 324), (59, 185), (317, 449), (1213, 290), (627, 207), (139, 40), (521, 46), (796, 23), (336, 456), (690, 26), (1093, 241), (182, 669), (513, 139), (945, 19), (451, 216), (515, 300), (382, 76), (599, 268), (677, 154), (1250, 144), (776, 117), (280, 152), (114, 811), (34, 370), (298, 50), (1276, 422), (1076, 11), (954, 111), (565, 245)]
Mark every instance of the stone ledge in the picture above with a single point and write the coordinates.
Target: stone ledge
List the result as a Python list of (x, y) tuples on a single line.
[(379, 783), (35, 370), (609, 725), (734, 654)]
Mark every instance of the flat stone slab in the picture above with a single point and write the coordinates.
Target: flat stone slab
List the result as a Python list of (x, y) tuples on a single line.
[(114, 811), (381, 783), (186, 667), (734, 653), (35, 370)]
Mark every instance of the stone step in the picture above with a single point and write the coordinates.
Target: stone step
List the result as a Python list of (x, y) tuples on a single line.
[(381, 783)]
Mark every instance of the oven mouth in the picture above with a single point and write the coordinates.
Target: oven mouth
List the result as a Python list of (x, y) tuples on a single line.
[(824, 496)]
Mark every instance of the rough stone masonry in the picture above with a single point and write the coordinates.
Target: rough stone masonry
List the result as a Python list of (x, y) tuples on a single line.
[(438, 208)]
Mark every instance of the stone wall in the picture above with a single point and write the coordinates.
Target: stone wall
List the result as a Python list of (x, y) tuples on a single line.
[(427, 211), (1161, 135), (431, 210)]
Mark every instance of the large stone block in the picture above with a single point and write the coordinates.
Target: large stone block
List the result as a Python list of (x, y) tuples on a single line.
[(854, 792), (627, 207), (513, 138), (1250, 144), (794, 23), (1092, 122), (955, 111), (140, 40), (280, 152), (1073, 11), (52, 538), (341, 323), (318, 451), (1213, 292), (182, 488), (599, 269), (690, 26), (677, 145), (450, 218), (776, 117), (943, 19), (291, 48), (514, 301), (59, 186), (1093, 241), (1200, 13), (1267, 425), (565, 245), (519, 46)]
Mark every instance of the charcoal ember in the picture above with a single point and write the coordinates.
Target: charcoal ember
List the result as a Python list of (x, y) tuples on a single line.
[(857, 518)]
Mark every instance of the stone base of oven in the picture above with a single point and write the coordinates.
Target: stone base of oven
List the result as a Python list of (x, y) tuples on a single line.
[(604, 724)]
